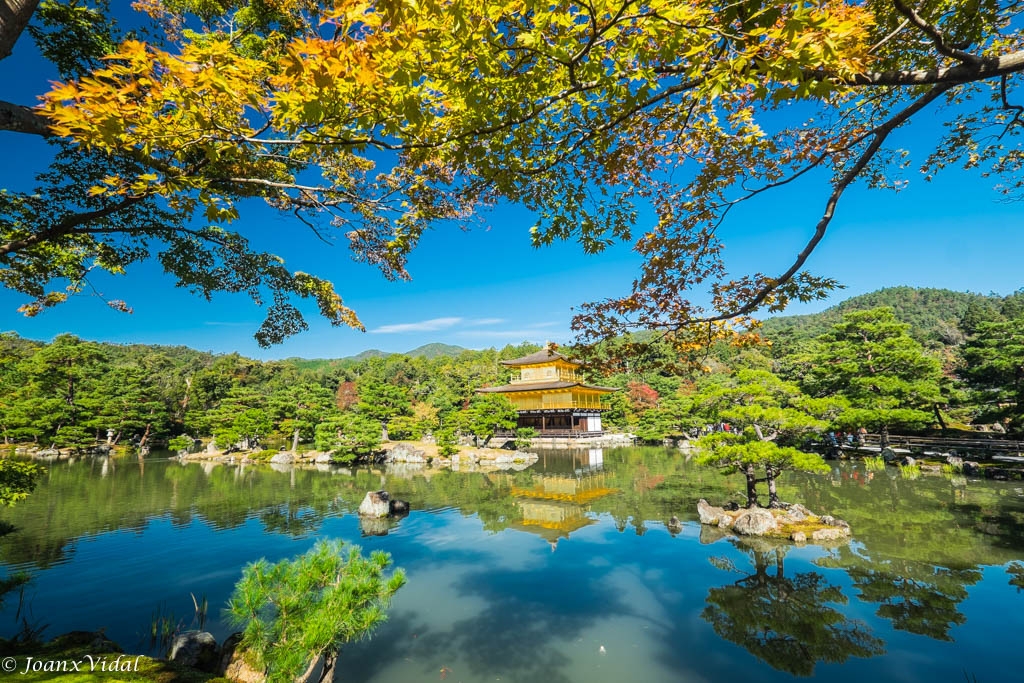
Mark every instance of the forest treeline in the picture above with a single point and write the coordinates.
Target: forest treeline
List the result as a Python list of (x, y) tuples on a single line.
[(927, 358)]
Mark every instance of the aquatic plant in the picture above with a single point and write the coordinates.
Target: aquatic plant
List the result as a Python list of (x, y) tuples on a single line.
[(874, 463), (162, 628), (201, 608), (910, 471)]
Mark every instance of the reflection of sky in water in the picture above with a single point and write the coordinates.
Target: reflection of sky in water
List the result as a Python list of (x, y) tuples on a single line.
[(507, 605)]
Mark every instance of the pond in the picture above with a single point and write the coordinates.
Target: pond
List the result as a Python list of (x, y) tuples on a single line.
[(565, 571)]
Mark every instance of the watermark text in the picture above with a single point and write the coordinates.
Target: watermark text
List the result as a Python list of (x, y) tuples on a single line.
[(90, 663)]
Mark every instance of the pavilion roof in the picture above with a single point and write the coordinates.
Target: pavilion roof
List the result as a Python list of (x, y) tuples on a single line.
[(540, 386)]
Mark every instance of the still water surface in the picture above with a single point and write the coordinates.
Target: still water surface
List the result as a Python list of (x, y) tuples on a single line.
[(526, 576)]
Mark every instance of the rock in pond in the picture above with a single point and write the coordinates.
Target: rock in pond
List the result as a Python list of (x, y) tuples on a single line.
[(755, 522), (829, 534), (376, 504), (195, 649), (709, 514), (283, 459)]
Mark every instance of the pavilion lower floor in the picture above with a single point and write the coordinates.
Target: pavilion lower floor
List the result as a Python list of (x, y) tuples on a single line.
[(562, 422)]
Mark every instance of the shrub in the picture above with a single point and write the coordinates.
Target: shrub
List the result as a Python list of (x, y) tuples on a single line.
[(447, 444), (524, 437), (179, 443)]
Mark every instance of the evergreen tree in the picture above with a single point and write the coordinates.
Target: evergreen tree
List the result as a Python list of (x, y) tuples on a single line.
[(298, 613), (994, 368), (348, 436), (870, 359), (487, 414), (381, 401), (298, 409), (766, 417)]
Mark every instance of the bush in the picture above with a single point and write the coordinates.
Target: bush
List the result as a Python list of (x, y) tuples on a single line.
[(179, 443), (524, 437), (447, 444), (348, 437), (17, 480), (298, 611)]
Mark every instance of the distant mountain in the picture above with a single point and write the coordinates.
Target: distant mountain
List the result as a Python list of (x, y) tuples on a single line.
[(428, 351), (435, 350), (368, 353), (933, 314)]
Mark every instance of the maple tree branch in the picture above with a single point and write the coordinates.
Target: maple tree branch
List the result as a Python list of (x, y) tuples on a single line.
[(967, 72), (20, 119), (895, 32), (14, 17), (936, 36), (67, 225), (1016, 108), (879, 136)]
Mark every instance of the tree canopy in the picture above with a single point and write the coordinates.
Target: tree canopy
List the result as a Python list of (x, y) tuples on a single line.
[(376, 120), (870, 359)]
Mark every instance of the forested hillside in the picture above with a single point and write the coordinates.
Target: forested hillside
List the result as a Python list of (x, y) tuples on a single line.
[(929, 359), (933, 314)]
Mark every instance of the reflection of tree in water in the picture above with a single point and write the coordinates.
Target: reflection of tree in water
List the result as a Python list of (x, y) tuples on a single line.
[(786, 621), (915, 596), (294, 520), (1016, 572)]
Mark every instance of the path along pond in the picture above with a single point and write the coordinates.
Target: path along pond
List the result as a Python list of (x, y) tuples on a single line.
[(564, 571)]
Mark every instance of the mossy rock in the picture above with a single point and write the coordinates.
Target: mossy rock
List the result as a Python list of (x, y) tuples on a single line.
[(55, 662)]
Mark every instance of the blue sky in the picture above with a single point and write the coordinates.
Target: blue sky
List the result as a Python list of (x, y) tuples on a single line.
[(490, 287)]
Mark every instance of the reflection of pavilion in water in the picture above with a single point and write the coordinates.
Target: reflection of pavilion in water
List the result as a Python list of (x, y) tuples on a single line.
[(557, 502)]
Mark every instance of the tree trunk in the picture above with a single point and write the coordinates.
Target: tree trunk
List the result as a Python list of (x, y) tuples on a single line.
[(751, 486), (328, 671), (305, 675), (938, 416), (295, 441), (184, 400), (14, 17), (773, 498), (145, 435), (884, 437)]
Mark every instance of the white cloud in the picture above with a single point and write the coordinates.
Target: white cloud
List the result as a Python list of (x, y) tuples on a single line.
[(486, 321), (528, 334), (431, 325)]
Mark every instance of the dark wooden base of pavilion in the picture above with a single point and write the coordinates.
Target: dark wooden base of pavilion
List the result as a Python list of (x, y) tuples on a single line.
[(572, 422)]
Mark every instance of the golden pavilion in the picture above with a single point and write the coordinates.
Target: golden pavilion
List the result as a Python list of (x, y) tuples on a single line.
[(548, 391)]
